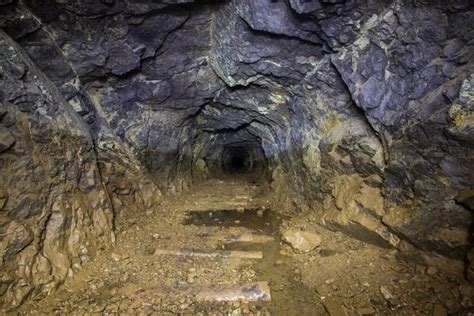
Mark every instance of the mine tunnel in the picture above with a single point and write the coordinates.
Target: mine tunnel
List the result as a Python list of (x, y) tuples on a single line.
[(243, 157), (237, 157)]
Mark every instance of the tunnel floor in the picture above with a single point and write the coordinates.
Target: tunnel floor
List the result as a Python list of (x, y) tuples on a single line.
[(217, 250)]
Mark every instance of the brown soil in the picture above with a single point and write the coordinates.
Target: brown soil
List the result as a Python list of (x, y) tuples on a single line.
[(342, 273)]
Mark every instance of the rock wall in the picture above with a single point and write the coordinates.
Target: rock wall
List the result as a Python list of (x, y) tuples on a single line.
[(405, 71), (366, 91), (55, 212), (65, 176), (359, 112)]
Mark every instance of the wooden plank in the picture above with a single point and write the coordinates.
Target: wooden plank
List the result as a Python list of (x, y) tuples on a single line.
[(216, 206), (211, 253), (244, 237), (253, 292), (249, 292)]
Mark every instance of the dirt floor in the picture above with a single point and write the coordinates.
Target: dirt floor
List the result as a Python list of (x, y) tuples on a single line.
[(214, 250)]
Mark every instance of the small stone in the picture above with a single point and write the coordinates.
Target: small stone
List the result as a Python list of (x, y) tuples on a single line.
[(125, 191), (431, 271), (115, 257), (301, 241), (329, 281), (386, 293), (124, 278)]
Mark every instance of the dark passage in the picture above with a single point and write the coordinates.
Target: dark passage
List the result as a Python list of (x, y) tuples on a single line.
[(237, 160), (243, 158)]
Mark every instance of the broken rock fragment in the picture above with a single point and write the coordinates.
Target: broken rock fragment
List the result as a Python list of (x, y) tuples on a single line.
[(301, 241)]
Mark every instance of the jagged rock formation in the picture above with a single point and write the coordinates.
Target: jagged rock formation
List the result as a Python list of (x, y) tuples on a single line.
[(53, 200), (359, 111)]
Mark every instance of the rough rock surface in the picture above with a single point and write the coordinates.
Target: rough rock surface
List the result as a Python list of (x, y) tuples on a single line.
[(55, 212), (301, 241), (359, 111)]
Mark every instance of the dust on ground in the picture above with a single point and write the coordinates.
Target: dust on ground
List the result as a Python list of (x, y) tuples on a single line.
[(211, 235)]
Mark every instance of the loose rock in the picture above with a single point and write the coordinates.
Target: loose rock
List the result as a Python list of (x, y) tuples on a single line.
[(301, 241)]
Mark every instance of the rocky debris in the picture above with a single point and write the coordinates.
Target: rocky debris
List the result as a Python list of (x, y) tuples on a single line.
[(115, 257), (353, 275), (301, 241)]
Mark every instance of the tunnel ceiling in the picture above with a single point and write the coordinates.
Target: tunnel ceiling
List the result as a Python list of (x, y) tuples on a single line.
[(361, 110)]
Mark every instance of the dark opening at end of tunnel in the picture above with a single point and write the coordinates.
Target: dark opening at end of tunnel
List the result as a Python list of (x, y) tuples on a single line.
[(237, 160)]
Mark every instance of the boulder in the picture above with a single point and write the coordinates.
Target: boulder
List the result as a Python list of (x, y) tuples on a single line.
[(301, 241)]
